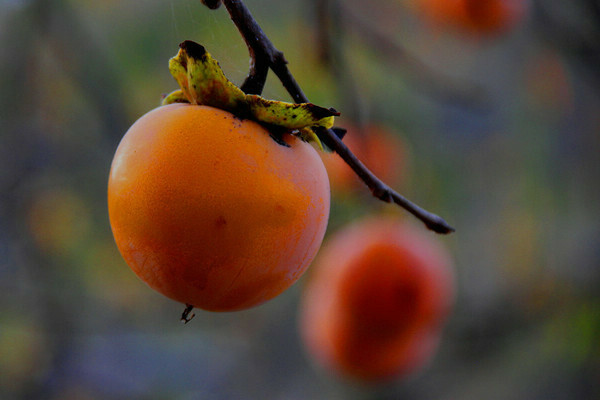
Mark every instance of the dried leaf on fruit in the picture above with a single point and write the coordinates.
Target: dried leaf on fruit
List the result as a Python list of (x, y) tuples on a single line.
[(203, 82)]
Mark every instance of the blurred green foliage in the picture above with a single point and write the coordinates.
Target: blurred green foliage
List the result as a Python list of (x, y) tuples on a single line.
[(515, 171)]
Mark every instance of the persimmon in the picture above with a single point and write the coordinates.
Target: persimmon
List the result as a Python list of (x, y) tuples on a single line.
[(209, 210), (382, 151), (375, 301), (476, 16)]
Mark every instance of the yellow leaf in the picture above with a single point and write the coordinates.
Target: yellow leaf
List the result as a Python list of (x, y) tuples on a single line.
[(203, 82)]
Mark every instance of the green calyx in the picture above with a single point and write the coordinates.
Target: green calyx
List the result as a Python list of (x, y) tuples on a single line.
[(202, 82)]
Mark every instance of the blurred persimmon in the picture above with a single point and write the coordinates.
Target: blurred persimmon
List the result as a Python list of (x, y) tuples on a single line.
[(475, 16), (377, 147), (375, 301), (210, 211)]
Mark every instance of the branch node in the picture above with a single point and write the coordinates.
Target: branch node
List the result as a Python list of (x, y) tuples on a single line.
[(383, 193), (279, 57), (438, 225), (212, 4)]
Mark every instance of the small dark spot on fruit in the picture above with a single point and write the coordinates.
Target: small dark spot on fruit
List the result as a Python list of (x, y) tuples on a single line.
[(220, 222)]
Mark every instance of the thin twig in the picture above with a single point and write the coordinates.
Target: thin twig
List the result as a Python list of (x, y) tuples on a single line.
[(572, 40), (382, 191), (257, 77), (430, 81), (212, 4), (331, 52), (262, 48)]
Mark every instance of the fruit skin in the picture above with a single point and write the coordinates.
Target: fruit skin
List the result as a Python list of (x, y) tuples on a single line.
[(376, 299), (476, 16), (209, 210), (382, 151)]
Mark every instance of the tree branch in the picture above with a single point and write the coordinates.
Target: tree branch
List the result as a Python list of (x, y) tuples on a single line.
[(257, 77), (573, 40), (212, 4), (264, 52), (433, 83)]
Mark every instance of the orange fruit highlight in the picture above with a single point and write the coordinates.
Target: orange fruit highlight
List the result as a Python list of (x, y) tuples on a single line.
[(209, 210), (476, 16), (376, 299)]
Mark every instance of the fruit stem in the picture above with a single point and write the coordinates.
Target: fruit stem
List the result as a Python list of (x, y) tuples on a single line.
[(263, 52), (257, 77), (187, 315)]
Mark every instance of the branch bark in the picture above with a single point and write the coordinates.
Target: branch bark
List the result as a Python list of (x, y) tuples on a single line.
[(263, 53)]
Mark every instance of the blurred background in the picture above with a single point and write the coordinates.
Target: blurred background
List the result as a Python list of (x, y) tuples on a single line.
[(498, 132)]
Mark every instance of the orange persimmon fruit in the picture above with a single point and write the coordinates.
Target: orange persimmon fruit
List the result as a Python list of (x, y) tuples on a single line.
[(476, 16), (210, 211), (375, 301)]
